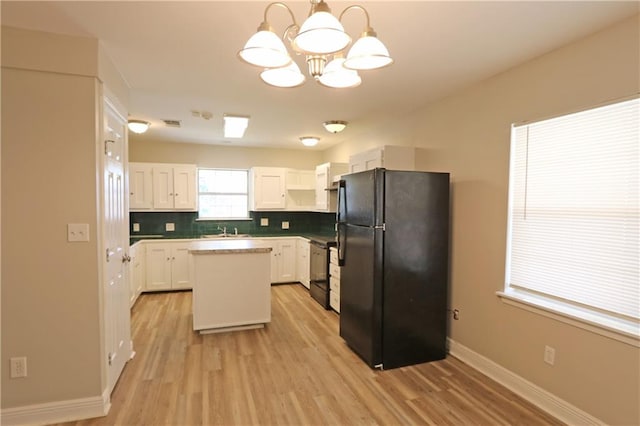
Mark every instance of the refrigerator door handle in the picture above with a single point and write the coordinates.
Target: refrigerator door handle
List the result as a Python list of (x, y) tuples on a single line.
[(342, 189), (340, 243)]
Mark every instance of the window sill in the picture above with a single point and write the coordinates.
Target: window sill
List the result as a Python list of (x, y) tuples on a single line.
[(615, 328)]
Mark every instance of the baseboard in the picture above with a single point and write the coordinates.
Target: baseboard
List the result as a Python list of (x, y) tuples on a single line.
[(544, 400), (57, 412)]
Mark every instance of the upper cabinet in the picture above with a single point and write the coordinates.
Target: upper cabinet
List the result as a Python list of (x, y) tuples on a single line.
[(389, 156), (140, 186), (267, 190), (278, 188), (162, 187), (326, 198)]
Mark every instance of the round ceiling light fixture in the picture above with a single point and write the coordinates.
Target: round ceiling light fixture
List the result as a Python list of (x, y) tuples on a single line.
[(334, 126), (309, 140), (138, 126)]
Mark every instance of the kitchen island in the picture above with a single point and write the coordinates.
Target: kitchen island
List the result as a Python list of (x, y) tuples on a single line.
[(228, 295)]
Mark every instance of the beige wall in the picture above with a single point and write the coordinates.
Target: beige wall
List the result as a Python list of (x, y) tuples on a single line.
[(468, 134), (50, 288), (220, 156)]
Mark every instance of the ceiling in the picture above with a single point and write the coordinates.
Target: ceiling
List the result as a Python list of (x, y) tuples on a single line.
[(180, 56)]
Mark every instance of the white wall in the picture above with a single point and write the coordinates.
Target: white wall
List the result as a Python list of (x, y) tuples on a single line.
[(468, 134)]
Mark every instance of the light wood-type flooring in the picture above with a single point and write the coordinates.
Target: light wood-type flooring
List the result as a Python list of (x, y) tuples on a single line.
[(295, 371)]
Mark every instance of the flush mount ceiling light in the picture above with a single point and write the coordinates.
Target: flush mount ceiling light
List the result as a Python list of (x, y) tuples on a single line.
[(334, 126), (323, 41), (309, 140), (235, 125), (138, 126)]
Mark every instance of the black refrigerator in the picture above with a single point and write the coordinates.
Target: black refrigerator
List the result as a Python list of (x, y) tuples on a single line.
[(393, 246)]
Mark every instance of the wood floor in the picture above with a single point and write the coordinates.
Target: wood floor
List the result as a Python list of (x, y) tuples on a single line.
[(296, 371)]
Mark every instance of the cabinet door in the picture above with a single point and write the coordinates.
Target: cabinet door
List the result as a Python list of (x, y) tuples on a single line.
[(269, 188), (287, 260), (180, 266), (158, 266), (322, 179), (184, 188), (140, 187), (163, 187), (302, 263)]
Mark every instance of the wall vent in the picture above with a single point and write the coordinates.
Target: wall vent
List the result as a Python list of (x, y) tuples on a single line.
[(172, 123)]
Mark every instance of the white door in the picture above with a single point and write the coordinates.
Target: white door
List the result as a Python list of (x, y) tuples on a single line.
[(116, 244)]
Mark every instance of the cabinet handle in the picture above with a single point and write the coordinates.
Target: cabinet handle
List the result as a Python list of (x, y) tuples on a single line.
[(173, 258), (176, 194), (168, 258)]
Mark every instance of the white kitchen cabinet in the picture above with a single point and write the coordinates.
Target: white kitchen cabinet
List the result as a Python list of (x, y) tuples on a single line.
[(302, 262), (140, 186), (283, 257), (162, 187), (174, 187), (334, 280), (137, 272), (167, 266), (388, 156), (326, 200), (268, 187), (300, 190)]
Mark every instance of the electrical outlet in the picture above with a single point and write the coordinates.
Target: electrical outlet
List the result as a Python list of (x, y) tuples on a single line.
[(136, 227), (18, 367), (169, 227), (285, 225), (549, 355), (264, 221)]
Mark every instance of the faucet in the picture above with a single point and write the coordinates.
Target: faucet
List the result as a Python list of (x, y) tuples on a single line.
[(235, 230), (224, 230)]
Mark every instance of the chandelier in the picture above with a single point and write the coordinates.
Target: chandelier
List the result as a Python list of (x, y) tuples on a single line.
[(323, 41)]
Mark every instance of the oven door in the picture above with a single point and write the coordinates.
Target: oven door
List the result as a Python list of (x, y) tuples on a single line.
[(318, 273)]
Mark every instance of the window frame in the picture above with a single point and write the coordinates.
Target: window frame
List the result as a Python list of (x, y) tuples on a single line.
[(208, 218), (585, 317)]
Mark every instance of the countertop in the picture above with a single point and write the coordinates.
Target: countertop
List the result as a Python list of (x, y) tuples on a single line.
[(322, 238), (225, 246)]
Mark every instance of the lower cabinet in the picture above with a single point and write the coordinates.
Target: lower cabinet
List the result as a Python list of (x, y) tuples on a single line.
[(302, 262), (167, 266), (283, 258), (334, 280), (137, 272)]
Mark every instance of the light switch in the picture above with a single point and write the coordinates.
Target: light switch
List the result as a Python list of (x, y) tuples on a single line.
[(170, 226), (136, 227), (264, 221), (285, 225), (77, 232)]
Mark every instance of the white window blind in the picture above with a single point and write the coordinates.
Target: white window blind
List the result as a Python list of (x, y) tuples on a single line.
[(573, 228)]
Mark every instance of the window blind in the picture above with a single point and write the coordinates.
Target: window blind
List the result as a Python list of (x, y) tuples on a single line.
[(573, 228)]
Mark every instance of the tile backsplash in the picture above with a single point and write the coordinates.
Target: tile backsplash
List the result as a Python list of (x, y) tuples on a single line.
[(186, 225)]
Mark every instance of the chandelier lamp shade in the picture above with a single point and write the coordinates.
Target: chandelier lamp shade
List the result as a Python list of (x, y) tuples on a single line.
[(323, 42)]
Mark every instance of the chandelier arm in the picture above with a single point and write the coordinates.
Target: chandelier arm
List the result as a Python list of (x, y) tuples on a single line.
[(368, 30), (277, 3)]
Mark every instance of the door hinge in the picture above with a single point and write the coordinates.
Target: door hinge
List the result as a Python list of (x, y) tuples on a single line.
[(106, 145), (111, 357), (108, 254)]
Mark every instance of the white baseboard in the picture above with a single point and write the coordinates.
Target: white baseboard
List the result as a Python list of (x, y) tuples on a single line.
[(544, 400), (57, 412)]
